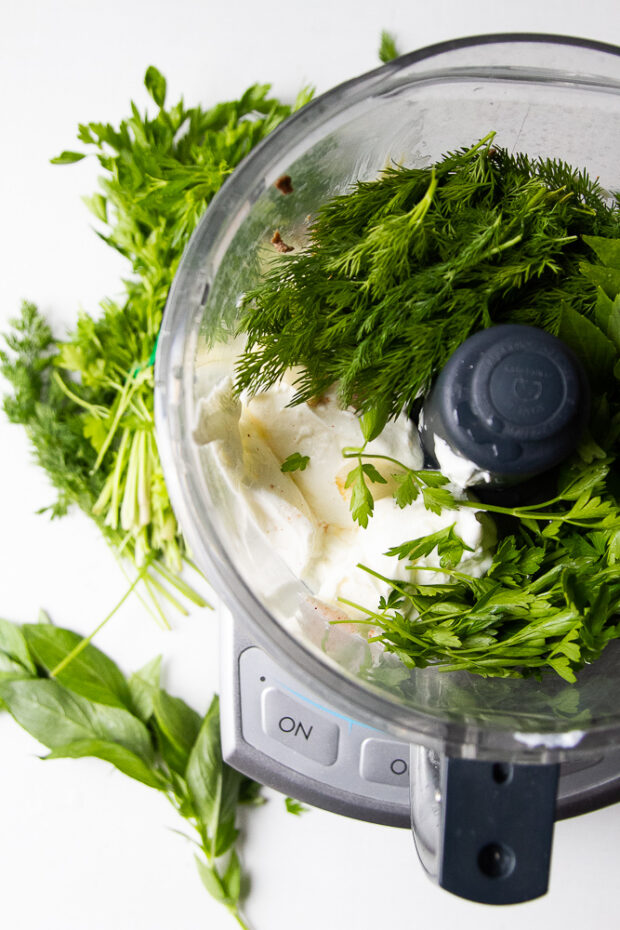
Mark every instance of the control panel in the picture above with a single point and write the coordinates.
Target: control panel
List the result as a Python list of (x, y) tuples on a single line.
[(297, 744), (290, 740)]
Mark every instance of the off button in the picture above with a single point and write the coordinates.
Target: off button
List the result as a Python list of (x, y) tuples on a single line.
[(385, 762), (294, 724)]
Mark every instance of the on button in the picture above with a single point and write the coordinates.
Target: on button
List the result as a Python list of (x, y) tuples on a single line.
[(298, 726)]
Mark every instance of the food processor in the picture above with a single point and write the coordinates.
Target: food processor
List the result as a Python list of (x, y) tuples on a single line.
[(479, 768)]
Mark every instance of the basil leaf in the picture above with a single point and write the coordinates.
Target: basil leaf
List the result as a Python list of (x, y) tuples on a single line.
[(13, 644), (226, 835), (250, 792), (55, 716), (204, 768), (91, 673), (9, 669), (143, 685), (372, 421), (607, 314), (606, 278), (212, 881), (182, 798), (214, 786), (120, 757), (178, 726), (232, 877)]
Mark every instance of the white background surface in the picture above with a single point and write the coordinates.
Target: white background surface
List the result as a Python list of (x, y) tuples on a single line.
[(81, 846)]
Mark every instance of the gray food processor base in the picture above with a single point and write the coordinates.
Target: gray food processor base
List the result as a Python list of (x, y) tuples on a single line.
[(287, 739)]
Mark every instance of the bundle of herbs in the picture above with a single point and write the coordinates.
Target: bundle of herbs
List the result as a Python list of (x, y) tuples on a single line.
[(86, 401), (396, 274), (90, 709)]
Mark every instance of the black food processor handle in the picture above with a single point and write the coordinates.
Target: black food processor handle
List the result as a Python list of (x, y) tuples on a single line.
[(484, 830)]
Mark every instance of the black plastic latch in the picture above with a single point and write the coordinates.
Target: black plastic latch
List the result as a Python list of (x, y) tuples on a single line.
[(496, 830)]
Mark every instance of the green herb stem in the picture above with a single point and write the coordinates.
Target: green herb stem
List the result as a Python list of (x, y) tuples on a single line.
[(87, 639), (96, 410)]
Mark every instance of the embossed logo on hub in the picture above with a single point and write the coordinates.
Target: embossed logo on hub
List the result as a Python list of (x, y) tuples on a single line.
[(525, 389)]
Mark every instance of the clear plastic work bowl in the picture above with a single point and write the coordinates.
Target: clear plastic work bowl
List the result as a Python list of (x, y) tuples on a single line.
[(543, 95)]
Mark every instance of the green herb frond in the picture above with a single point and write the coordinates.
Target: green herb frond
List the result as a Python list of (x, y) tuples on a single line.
[(399, 271), (87, 401)]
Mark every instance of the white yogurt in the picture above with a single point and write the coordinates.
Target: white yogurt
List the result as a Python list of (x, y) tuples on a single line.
[(304, 515), (461, 471)]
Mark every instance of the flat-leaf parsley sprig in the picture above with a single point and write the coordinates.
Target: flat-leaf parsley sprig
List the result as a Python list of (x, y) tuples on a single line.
[(295, 462), (549, 599), (544, 603), (409, 483)]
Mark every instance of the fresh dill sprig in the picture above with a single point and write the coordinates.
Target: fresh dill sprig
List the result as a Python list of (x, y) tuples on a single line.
[(400, 271)]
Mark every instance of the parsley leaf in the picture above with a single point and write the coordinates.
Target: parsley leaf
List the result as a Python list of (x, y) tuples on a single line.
[(449, 546), (295, 462), (407, 489), (362, 502), (407, 484), (67, 158)]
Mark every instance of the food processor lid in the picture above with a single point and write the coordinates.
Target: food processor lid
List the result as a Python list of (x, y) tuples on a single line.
[(531, 75)]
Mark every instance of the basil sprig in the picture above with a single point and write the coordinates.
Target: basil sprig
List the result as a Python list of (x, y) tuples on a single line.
[(91, 709)]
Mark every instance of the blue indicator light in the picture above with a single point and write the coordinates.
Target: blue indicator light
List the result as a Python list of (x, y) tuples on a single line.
[(352, 723)]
